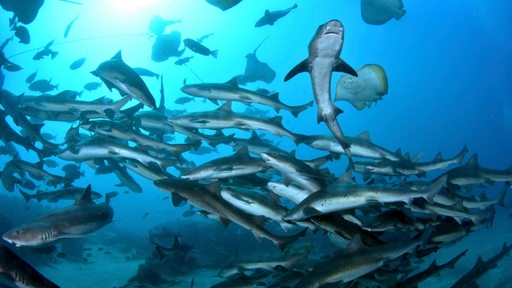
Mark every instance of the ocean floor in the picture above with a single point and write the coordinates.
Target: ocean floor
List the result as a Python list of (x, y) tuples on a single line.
[(113, 267)]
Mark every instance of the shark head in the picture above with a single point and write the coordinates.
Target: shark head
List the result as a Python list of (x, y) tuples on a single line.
[(328, 40), (332, 28), (34, 234)]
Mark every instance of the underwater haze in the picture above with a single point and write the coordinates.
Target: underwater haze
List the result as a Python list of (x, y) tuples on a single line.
[(448, 88)]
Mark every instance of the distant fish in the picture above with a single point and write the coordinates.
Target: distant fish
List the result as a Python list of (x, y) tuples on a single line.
[(30, 78), (270, 17), (68, 28), (47, 51), (183, 100), (77, 63), (377, 12), (21, 32), (199, 48), (255, 70), (42, 86), (145, 72), (92, 86), (165, 46), (224, 4), (5, 63), (117, 74), (51, 163), (158, 24), (204, 37), (24, 11), (72, 171), (183, 60)]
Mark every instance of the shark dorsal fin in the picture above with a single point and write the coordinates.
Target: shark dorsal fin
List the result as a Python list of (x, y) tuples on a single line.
[(242, 152), (345, 178), (365, 135), (254, 137), (275, 120), (226, 107), (86, 196), (439, 157), (118, 56), (232, 82), (176, 243), (267, 13), (354, 245), (213, 187), (473, 161)]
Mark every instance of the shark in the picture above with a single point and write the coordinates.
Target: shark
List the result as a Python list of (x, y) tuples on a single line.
[(270, 17), (19, 273), (78, 220), (324, 58), (358, 260), (344, 196), (115, 73), (207, 197), (230, 91)]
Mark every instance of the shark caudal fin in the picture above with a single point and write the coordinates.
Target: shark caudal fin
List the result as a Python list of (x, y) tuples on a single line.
[(333, 125)]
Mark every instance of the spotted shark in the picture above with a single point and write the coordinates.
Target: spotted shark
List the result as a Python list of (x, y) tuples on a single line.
[(78, 220), (324, 58)]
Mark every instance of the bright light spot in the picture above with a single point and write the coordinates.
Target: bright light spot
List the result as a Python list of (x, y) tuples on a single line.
[(127, 7)]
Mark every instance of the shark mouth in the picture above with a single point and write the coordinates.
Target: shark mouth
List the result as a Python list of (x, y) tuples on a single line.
[(332, 32)]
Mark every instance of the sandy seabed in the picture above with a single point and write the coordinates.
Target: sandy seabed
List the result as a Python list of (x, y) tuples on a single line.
[(112, 269)]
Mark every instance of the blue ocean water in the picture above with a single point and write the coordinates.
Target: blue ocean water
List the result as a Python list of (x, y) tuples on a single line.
[(447, 63)]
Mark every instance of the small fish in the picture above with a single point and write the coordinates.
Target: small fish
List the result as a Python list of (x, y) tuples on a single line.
[(30, 78), (42, 86), (158, 24), (204, 37), (145, 72), (199, 48), (183, 100), (92, 86), (68, 28), (21, 32), (47, 51), (183, 60), (77, 63)]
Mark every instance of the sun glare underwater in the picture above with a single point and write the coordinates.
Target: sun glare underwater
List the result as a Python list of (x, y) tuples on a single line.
[(230, 143)]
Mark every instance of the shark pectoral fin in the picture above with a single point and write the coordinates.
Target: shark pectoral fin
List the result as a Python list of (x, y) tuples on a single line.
[(225, 221), (177, 200), (310, 212), (342, 66), (301, 67)]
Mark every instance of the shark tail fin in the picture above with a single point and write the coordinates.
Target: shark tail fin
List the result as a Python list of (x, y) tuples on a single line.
[(296, 110), (283, 241), (25, 195)]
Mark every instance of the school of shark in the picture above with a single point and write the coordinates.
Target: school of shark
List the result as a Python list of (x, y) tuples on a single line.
[(389, 209)]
